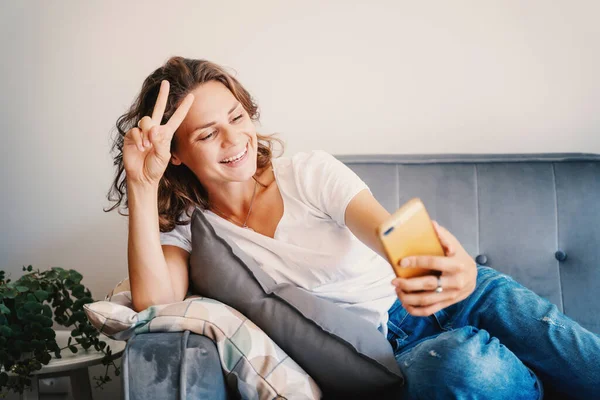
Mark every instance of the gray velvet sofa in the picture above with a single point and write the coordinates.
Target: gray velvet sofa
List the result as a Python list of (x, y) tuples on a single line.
[(535, 217)]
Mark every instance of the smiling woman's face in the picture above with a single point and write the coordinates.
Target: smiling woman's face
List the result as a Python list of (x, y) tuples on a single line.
[(217, 138)]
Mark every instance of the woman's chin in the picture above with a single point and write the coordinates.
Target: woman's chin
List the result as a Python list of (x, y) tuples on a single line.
[(241, 173)]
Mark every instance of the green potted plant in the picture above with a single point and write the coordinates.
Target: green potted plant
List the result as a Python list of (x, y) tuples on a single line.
[(27, 339)]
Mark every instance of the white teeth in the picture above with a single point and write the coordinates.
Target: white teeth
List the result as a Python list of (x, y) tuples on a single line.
[(236, 157)]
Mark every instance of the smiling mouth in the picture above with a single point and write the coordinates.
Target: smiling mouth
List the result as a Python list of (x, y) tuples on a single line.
[(236, 157)]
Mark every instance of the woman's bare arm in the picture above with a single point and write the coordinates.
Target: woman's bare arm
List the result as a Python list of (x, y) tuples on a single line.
[(153, 280), (155, 277), (363, 214), (458, 269)]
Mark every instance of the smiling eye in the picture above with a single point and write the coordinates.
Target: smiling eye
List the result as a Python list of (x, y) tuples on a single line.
[(208, 136), (215, 132)]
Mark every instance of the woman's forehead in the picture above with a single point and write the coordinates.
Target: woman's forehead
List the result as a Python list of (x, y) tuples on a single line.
[(211, 99), (212, 102)]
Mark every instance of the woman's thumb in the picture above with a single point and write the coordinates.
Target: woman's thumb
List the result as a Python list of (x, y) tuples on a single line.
[(444, 240)]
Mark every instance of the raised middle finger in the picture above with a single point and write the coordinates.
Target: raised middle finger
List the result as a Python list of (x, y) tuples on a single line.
[(180, 113), (161, 102)]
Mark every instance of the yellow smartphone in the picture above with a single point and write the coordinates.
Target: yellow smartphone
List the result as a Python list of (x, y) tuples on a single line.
[(409, 232)]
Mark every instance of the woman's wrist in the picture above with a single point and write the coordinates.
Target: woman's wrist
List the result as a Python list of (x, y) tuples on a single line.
[(142, 188), (141, 194)]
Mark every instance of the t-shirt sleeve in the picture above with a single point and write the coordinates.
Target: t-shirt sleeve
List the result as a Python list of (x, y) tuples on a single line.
[(328, 184), (180, 236)]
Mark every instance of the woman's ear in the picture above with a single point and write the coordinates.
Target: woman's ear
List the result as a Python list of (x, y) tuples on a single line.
[(175, 160)]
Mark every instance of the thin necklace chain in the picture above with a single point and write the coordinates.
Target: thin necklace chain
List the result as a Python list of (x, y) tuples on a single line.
[(244, 225)]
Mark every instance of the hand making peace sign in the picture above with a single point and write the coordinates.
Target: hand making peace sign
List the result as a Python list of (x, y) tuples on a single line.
[(146, 148)]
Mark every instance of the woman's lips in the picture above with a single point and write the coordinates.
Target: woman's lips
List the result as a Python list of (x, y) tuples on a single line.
[(239, 161)]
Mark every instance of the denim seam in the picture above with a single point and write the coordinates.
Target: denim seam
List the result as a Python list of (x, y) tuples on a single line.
[(399, 325), (446, 327), (398, 329), (538, 381)]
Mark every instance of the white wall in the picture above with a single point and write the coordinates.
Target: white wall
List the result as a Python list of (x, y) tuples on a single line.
[(346, 77)]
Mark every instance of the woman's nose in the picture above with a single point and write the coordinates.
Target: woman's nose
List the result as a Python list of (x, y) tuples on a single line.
[(231, 136)]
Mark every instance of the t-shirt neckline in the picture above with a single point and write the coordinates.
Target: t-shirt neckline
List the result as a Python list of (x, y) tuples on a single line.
[(252, 231)]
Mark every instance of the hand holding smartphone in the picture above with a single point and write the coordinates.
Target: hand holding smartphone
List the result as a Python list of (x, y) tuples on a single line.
[(409, 232)]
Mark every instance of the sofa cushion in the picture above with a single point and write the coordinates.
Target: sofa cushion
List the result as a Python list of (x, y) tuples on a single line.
[(253, 363), (344, 353)]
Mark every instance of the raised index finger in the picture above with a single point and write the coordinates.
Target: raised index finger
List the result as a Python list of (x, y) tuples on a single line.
[(161, 102), (179, 114)]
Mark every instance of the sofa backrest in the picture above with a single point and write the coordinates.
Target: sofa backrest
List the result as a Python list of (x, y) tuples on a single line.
[(535, 217)]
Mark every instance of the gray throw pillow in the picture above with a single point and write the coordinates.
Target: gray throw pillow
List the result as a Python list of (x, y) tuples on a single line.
[(341, 351)]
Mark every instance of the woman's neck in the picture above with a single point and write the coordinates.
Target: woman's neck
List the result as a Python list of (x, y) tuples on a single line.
[(234, 203)]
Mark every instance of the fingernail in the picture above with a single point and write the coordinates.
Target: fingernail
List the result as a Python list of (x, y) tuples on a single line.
[(405, 262), (146, 143), (141, 147)]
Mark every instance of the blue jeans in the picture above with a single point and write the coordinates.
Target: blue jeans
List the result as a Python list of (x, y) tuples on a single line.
[(502, 342)]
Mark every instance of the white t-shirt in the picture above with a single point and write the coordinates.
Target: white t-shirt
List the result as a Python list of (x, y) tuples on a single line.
[(312, 247)]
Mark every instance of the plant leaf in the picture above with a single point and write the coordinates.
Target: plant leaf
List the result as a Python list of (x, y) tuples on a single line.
[(41, 295), (49, 333), (51, 275), (45, 358), (47, 311), (4, 309), (75, 276), (6, 331), (33, 307)]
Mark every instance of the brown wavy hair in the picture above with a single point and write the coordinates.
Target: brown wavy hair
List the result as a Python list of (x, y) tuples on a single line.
[(179, 189)]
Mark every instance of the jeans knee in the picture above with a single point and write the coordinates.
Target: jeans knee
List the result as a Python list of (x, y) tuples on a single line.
[(468, 361)]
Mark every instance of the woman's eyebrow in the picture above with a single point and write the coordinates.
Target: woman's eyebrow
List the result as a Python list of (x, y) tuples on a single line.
[(237, 103)]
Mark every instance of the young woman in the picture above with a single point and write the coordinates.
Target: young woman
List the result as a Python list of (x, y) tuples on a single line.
[(190, 140)]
